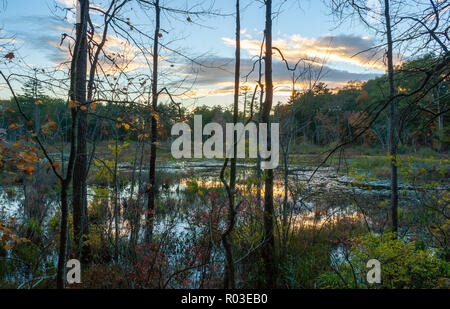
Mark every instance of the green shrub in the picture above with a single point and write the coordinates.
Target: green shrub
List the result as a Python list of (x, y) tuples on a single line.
[(403, 265)]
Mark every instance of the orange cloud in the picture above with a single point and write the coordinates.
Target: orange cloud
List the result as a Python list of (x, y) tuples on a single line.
[(347, 49)]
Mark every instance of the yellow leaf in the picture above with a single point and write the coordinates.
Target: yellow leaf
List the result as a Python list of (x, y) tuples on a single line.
[(73, 104)]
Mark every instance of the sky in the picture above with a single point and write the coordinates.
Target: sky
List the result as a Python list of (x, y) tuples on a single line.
[(302, 29)]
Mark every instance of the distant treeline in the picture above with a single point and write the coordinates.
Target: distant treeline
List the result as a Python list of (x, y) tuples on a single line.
[(325, 116), (322, 116)]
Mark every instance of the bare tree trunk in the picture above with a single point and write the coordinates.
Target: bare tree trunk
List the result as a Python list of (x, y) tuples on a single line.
[(229, 281), (440, 126), (258, 159), (154, 128), (64, 183), (77, 91), (60, 280), (116, 201), (286, 151), (137, 227), (392, 121), (268, 248), (245, 104), (132, 204), (79, 186)]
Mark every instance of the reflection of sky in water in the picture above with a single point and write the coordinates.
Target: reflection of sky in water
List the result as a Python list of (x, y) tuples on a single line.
[(205, 173)]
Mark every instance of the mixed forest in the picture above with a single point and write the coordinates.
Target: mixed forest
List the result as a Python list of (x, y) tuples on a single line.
[(86, 170)]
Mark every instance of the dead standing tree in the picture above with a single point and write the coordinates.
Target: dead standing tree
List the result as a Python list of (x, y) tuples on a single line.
[(268, 248), (393, 143), (154, 127), (78, 95), (90, 50), (229, 281), (363, 12)]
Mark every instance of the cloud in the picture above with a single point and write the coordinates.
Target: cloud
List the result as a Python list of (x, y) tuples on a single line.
[(66, 2), (215, 75), (347, 49), (333, 59), (40, 34)]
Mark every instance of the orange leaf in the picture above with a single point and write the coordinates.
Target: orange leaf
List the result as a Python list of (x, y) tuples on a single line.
[(73, 104), (10, 56), (28, 170)]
